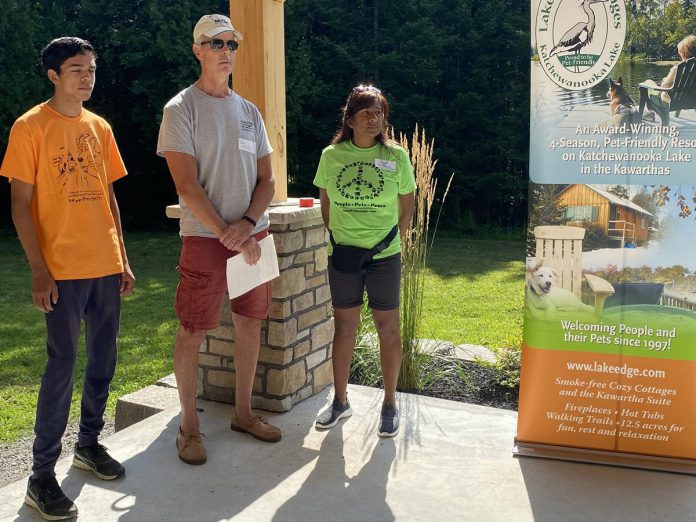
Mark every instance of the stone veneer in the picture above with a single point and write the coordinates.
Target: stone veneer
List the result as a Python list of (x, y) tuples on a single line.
[(295, 357)]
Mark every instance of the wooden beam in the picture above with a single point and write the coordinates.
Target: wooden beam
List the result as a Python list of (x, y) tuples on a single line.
[(260, 73)]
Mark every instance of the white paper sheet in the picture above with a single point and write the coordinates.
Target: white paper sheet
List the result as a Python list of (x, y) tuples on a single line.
[(242, 277)]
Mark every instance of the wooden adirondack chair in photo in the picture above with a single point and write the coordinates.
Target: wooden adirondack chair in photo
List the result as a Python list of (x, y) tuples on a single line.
[(560, 247), (682, 94)]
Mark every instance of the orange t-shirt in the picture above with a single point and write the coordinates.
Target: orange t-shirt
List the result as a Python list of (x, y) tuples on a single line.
[(71, 162)]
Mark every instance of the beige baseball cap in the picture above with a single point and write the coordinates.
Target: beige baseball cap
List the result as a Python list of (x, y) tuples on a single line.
[(212, 25)]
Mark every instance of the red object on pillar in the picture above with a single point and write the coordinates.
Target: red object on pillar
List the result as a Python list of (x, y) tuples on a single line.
[(306, 202)]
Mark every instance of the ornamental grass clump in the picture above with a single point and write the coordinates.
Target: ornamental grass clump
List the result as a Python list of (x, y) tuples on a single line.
[(415, 250)]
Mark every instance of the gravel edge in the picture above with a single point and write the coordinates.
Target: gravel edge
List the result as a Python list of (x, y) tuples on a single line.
[(16, 460)]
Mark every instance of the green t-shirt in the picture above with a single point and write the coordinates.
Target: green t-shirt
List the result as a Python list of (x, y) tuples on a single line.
[(363, 186)]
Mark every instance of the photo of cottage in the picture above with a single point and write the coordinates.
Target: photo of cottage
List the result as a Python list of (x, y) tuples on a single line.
[(615, 245), (623, 220)]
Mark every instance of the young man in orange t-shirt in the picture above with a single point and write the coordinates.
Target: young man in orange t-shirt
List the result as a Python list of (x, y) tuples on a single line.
[(61, 161)]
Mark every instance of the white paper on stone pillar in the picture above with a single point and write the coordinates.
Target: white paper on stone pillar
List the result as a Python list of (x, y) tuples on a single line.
[(242, 277)]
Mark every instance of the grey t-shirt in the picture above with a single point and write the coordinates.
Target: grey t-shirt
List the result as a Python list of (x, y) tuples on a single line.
[(226, 136)]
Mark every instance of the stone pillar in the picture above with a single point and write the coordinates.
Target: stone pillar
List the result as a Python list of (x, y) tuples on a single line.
[(259, 74), (295, 358)]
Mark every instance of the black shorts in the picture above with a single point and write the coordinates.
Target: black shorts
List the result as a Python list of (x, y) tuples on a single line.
[(381, 279)]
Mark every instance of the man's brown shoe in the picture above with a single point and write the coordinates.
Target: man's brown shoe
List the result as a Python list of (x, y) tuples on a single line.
[(190, 447), (257, 426)]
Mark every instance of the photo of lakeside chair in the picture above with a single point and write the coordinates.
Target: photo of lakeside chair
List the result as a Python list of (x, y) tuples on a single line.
[(682, 94), (560, 247), (636, 292)]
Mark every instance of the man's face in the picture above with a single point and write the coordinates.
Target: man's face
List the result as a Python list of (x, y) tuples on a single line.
[(216, 60), (76, 78)]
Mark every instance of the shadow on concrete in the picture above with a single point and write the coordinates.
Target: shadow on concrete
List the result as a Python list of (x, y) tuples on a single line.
[(348, 497), (158, 486), (239, 470), (571, 491), (452, 461)]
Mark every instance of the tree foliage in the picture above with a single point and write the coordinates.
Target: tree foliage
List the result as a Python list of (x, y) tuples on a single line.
[(459, 68), (545, 208), (644, 200), (655, 27), (596, 237), (620, 191)]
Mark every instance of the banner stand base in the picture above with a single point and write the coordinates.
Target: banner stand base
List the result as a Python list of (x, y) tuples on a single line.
[(608, 458)]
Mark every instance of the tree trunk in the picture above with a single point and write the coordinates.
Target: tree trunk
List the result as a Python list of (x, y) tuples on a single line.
[(375, 37)]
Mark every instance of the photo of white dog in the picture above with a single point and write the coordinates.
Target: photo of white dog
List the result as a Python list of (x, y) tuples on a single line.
[(543, 299)]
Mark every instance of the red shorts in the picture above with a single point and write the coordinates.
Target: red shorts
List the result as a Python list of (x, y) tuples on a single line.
[(203, 284)]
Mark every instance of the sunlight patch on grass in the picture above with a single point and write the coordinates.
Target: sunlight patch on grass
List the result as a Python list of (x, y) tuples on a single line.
[(148, 326), (17, 411)]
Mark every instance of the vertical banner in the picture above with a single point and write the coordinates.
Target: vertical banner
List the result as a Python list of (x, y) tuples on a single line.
[(609, 350)]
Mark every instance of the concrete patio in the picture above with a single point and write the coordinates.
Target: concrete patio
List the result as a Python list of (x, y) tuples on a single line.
[(451, 461)]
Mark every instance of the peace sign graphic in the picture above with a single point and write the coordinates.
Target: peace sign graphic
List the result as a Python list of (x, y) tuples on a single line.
[(360, 181)]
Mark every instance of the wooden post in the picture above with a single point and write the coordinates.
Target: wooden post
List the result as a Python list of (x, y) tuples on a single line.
[(260, 73)]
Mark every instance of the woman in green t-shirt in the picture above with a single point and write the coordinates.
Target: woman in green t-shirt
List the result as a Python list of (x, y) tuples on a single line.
[(366, 188)]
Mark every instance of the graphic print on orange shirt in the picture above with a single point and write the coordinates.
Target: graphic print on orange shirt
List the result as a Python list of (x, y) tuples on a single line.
[(77, 170)]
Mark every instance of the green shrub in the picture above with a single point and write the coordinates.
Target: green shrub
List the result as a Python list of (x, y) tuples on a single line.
[(507, 365)]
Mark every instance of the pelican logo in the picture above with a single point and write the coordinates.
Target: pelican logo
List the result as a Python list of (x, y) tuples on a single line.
[(579, 41), (360, 181)]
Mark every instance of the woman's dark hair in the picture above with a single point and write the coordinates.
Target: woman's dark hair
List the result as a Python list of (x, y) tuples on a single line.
[(362, 97), (60, 49)]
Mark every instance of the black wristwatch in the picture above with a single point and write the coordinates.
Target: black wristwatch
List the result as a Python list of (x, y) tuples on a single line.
[(250, 220)]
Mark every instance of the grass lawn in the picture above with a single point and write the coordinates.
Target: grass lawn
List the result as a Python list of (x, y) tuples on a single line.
[(148, 325), (474, 294)]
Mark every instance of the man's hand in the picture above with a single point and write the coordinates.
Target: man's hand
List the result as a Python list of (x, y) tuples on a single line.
[(44, 291), (127, 281), (251, 251), (235, 234)]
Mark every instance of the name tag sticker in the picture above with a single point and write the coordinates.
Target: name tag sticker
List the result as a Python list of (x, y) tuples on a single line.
[(385, 164), (247, 145)]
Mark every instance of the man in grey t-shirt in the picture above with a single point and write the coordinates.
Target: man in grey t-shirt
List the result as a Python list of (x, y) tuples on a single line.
[(218, 154)]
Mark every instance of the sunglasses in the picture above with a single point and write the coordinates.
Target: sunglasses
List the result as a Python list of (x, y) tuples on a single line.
[(366, 88), (218, 44)]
